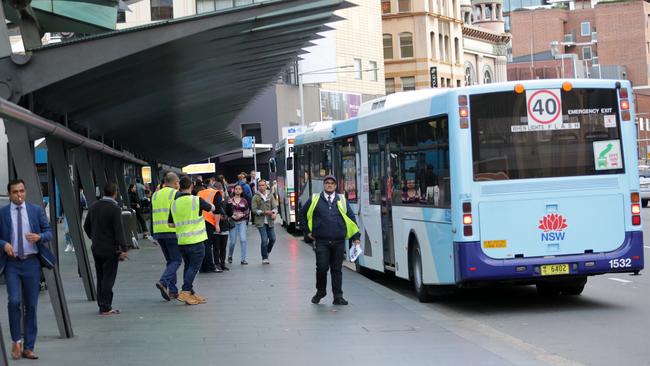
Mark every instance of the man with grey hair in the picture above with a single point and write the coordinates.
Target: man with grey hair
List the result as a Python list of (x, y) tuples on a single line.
[(166, 235)]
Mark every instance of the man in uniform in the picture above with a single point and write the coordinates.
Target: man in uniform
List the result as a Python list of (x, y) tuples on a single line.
[(329, 221), (166, 235)]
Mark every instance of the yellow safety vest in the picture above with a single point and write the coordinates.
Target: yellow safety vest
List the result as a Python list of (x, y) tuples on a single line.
[(190, 224), (351, 227), (160, 204)]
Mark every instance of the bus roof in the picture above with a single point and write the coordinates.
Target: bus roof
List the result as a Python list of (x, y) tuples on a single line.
[(317, 131), (424, 103)]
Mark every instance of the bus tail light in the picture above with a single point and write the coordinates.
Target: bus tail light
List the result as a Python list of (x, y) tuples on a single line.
[(636, 208), (463, 111), (292, 200), (624, 104), (467, 219)]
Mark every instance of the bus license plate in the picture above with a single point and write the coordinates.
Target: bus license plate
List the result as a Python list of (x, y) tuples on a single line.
[(555, 269)]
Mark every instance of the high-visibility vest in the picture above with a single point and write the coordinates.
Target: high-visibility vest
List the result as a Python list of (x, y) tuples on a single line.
[(160, 204), (351, 227), (190, 225), (208, 196)]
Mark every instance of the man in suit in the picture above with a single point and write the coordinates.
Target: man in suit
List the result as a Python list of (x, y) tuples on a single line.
[(103, 226), (23, 230), (329, 220)]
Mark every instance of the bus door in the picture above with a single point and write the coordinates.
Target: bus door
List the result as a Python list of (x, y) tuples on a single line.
[(386, 186)]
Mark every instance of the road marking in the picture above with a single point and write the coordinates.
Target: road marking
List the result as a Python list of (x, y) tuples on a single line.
[(619, 280)]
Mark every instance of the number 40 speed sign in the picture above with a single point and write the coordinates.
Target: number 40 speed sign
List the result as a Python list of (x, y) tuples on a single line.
[(544, 107)]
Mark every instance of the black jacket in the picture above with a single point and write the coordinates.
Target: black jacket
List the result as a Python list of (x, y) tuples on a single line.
[(328, 224), (103, 226)]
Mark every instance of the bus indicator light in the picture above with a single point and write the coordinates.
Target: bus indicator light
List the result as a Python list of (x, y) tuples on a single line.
[(567, 86), (634, 197), (464, 123), (625, 104), (625, 115), (292, 199), (519, 88), (463, 112)]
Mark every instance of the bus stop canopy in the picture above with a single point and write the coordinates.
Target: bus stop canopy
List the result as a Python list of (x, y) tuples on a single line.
[(168, 91)]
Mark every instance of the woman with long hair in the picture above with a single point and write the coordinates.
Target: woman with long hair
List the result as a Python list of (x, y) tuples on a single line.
[(240, 211), (225, 212), (137, 206)]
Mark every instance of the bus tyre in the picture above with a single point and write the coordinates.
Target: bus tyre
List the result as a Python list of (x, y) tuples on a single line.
[(422, 291), (548, 289), (291, 228)]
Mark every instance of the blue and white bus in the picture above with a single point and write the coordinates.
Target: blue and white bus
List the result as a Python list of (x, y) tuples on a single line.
[(531, 182)]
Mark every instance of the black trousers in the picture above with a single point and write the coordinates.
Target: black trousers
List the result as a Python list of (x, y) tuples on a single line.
[(141, 222), (219, 249), (329, 256), (106, 267), (208, 264)]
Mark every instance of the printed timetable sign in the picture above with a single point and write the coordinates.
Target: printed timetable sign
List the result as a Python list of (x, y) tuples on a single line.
[(544, 108)]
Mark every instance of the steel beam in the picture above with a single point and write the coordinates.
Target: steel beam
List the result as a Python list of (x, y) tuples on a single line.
[(81, 157), (23, 158), (57, 157)]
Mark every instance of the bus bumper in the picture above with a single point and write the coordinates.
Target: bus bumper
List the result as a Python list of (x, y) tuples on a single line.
[(473, 265)]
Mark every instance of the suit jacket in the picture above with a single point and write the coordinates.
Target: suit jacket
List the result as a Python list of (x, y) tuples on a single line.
[(38, 224), (103, 226)]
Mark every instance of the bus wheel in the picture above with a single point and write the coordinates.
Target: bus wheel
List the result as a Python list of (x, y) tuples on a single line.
[(291, 228), (421, 290), (573, 287)]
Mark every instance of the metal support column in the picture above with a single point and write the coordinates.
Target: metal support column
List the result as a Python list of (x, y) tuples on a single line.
[(81, 156), (97, 161), (23, 158), (121, 183), (70, 205)]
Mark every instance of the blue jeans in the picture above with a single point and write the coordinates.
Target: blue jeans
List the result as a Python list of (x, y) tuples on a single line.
[(169, 247), (26, 275), (238, 230), (193, 257), (267, 233)]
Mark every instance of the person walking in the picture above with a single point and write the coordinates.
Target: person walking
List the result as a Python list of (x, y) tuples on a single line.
[(136, 205), (161, 202), (329, 220), (186, 216), (246, 188), (24, 229), (223, 230), (240, 210), (265, 209), (103, 226), (211, 227)]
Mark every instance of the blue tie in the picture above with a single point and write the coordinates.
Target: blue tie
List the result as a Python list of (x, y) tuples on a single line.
[(19, 232)]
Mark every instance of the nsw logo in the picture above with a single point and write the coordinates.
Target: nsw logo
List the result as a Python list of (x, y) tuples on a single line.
[(553, 226)]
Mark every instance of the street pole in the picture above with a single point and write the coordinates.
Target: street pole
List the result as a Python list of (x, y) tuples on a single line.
[(302, 100), (254, 156)]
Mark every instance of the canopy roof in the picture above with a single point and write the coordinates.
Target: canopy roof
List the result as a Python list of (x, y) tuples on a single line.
[(169, 91)]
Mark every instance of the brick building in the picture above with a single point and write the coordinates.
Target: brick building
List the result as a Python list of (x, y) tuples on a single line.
[(606, 40)]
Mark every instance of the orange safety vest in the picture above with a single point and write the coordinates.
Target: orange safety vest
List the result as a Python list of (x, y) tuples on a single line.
[(208, 196)]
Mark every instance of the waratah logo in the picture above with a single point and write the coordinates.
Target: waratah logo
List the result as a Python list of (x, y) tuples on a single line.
[(553, 226)]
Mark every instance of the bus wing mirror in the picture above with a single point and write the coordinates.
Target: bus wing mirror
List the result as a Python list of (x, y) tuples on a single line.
[(289, 163)]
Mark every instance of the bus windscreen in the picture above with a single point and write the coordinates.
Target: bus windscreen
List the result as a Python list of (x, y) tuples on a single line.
[(545, 133)]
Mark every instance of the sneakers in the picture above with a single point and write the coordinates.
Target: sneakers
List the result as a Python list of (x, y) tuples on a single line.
[(217, 269), (243, 263), (225, 268), (340, 301), (317, 297), (186, 297), (69, 248), (164, 291), (199, 298), (229, 259), (265, 261)]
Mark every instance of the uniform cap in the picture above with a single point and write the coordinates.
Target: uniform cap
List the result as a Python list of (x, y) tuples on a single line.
[(330, 176)]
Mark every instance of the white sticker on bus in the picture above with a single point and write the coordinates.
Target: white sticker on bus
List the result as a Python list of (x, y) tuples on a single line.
[(610, 121), (607, 155), (531, 128), (544, 107)]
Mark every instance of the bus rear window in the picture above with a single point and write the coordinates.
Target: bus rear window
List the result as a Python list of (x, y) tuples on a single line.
[(547, 133)]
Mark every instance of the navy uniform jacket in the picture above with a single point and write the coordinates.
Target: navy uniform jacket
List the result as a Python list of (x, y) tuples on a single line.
[(328, 224)]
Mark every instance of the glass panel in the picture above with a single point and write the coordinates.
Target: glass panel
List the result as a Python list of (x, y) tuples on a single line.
[(503, 146), (388, 46), (406, 45), (408, 83), (390, 86)]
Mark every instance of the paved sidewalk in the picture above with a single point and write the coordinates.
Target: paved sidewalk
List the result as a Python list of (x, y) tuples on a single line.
[(257, 315)]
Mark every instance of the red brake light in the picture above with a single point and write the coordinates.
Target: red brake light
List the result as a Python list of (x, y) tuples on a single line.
[(636, 220), (622, 93), (636, 209)]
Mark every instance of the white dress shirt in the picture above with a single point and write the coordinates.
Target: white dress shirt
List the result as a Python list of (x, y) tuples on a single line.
[(29, 247)]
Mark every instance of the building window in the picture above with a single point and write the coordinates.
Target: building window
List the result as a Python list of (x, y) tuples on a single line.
[(457, 49), (162, 9), (408, 83), (404, 5), (406, 44), (385, 6), (585, 29), (487, 77), (469, 74), (252, 129), (458, 83), (390, 86), (388, 46), (447, 51), (488, 13), (357, 69), (121, 16), (433, 45), (586, 53), (373, 71)]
